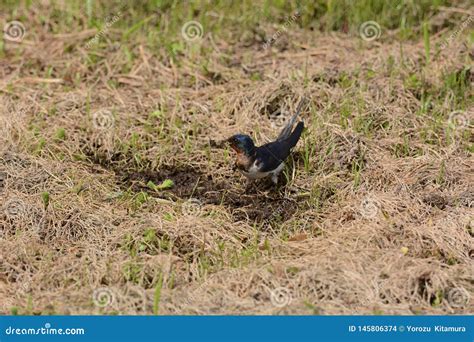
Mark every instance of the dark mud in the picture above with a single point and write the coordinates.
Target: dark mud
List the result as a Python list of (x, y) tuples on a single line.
[(257, 203), (260, 202)]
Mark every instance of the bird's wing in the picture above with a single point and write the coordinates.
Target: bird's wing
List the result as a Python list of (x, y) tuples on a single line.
[(285, 133), (271, 155)]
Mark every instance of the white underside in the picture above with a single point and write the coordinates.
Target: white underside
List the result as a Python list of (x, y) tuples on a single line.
[(253, 172)]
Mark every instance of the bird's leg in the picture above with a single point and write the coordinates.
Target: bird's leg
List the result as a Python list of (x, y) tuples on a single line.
[(276, 173)]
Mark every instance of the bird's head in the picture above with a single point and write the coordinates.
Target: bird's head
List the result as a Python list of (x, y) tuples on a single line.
[(242, 143)]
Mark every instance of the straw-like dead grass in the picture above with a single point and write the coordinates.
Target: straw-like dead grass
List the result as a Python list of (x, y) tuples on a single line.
[(375, 215)]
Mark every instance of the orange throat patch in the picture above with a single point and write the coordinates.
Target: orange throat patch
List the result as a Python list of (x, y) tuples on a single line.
[(242, 160)]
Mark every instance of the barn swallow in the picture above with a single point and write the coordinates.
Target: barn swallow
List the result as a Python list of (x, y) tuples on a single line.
[(267, 160)]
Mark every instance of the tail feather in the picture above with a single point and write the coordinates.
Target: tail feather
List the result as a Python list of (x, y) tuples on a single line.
[(296, 134), (285, 133)]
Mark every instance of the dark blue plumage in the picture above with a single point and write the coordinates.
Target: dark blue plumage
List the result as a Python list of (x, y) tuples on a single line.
[(266, 160), (273, 154)]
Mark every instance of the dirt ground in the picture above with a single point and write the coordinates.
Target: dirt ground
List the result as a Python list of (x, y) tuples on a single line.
[(373, 215)]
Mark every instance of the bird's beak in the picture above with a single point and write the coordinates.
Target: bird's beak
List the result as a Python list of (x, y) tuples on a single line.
[(231, 141)]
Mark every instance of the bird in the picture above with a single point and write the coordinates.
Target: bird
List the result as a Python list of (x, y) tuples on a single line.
[(269, 159)]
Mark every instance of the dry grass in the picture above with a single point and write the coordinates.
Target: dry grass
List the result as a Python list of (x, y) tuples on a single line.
[(375, 215)]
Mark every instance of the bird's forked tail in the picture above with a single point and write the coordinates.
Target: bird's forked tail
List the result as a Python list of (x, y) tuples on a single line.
[(285, 133), (296, 134)]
